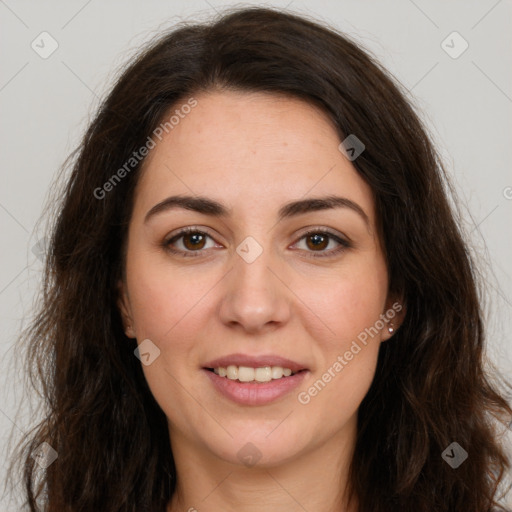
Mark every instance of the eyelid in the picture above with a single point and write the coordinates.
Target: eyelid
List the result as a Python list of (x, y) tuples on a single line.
[(176, 235), (323, 229), (342, 240), (188, 229)]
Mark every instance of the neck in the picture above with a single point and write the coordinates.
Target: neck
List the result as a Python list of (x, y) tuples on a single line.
[(312, 481)]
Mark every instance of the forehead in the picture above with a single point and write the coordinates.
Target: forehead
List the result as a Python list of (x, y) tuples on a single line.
[(251, 151)]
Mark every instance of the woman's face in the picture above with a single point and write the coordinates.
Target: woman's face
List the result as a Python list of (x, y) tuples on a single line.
[(248, 287)]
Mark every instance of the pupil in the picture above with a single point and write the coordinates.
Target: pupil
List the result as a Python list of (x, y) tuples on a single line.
[(318, 240), (193, 240)]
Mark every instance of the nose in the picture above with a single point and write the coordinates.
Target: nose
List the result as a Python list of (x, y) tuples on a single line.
[(255, 297)]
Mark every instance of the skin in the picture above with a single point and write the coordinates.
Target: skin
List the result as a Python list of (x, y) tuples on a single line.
[(254, 152)]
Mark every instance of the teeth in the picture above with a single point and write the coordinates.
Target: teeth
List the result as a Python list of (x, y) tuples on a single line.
[(232, 372), (247, 374), (263, 374), (277, 372)]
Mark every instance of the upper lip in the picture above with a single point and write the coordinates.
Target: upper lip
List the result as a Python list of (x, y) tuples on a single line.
[(255, 362)]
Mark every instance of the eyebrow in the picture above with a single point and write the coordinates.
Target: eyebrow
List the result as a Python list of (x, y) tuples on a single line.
[(207, 206)]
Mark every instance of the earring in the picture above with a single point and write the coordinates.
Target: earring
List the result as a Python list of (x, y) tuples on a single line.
[(390, 329)]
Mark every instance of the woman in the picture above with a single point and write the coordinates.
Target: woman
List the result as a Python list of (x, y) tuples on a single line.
[(257, 296)]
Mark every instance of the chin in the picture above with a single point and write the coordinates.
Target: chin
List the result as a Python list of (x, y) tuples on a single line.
[(258, 448)]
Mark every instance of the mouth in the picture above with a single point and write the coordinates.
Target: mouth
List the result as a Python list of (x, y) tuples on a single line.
[(255, 380), (246, 368)]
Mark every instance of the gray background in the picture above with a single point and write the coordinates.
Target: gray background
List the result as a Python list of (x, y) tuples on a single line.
[(45, 104)]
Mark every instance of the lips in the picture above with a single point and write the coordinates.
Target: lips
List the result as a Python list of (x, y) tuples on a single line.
[(255, 393), (255, 362)]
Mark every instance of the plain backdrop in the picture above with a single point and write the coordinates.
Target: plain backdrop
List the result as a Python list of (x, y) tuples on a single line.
[(461, 84)]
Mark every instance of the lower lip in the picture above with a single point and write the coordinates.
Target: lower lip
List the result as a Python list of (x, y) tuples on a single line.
[(256, 393)]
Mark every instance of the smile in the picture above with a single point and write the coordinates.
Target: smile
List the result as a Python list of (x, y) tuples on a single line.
[(255, 392), (248, 374)]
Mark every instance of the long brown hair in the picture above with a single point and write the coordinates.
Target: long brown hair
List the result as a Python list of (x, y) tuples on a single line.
[(431, 386)]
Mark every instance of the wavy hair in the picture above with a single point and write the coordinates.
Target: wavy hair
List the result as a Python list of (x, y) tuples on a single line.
[(432, 385)]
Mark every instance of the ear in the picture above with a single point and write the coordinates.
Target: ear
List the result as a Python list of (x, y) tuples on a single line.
[(123, 303), (393, 317)]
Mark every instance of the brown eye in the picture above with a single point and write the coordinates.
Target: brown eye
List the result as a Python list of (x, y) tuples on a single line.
[(317, 244), (318, 241), (189, 242), (195, 240)]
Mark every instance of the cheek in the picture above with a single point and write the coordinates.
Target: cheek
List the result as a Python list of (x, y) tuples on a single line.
[(346, 302), (351, 307), (334, 394), (163, 297), (170, 307), (167, 306), (336, 389)]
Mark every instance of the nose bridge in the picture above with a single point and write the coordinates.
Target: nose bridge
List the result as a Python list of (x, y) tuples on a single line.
[(254, 296)]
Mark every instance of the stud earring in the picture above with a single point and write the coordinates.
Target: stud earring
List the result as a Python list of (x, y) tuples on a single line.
[(390, 329)]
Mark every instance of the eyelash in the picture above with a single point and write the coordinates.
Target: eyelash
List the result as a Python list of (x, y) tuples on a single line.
[(344, 244)]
